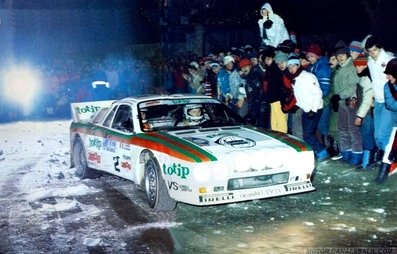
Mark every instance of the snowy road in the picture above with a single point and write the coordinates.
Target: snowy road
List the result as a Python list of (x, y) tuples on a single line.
[(44, 208)]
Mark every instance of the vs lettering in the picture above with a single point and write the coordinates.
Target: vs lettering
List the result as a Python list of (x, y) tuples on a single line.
[(173, 185)]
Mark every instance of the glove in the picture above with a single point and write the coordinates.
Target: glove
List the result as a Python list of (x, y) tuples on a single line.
[(335, 102)]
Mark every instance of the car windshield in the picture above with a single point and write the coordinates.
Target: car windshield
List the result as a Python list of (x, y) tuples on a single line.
[(171, 114)]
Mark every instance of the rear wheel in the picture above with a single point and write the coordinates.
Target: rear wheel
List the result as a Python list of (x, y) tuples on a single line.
[(80, 161), (156, 188)]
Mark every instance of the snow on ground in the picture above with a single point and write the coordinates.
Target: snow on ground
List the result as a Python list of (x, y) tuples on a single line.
[(43, 205)]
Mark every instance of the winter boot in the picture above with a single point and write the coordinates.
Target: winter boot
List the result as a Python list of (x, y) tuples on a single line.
[(383, 173), (346, 155), (355, 158), (331, 146), (322, 155), (334, 150), (365, 162)]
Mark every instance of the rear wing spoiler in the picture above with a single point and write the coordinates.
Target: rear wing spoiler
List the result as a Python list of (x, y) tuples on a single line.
[(82, 111)]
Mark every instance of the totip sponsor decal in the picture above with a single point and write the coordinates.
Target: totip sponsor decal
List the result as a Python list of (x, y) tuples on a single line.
[(87, 109), (176, 169)]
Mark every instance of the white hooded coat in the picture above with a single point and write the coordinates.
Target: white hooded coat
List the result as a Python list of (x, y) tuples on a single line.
[(308, 94), (277, 33)]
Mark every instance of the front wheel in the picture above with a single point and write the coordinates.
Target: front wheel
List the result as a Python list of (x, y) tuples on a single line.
[(156, 188)]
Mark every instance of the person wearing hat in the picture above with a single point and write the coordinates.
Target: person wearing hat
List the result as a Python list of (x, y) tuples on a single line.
[(320, 68), (355, 49), (194, 78), (256, 98), (343, 101), (384, 119), (389, 161), (231, 86), (364, 114), (273, 86), (271, 27), (308, 96), (211, 79), (281, 59)]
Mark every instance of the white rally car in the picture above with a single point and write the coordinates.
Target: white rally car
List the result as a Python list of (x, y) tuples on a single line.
[(187, 148)]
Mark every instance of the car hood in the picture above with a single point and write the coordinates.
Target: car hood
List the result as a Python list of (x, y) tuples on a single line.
[(229, 140)]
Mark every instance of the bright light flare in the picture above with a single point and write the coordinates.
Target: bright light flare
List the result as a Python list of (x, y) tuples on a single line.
[(21, 85)]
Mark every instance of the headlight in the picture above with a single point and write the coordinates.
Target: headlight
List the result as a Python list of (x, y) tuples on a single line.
[(242, 162), (220, 171), (258, 160), (302, 161), (202, 173)]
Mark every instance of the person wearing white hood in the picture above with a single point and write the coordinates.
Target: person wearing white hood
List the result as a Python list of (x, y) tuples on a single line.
[(272, 28)]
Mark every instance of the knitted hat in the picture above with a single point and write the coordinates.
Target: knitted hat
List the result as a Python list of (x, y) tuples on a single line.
[(214, 64), (391, 68), (341, 48), (361, 60), (280, 57), (244, 62), (314, 49), (355, 46), (228, 59), (294, 59)]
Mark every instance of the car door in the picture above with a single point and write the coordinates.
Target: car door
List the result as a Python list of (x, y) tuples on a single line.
[(116, 144)]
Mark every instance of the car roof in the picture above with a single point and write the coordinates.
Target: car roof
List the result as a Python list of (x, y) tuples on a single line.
[(142, 98)]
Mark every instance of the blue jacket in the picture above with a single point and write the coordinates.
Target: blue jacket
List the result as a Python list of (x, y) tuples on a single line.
[(322, 71), (391, 103)]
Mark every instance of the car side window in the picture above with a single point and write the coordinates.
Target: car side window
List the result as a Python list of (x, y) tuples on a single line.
[(99, 115), (109, 117), (123, 119)]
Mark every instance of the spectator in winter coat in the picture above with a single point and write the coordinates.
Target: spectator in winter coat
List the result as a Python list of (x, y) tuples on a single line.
[(195, 78), (389, 160), (309, 98), (231, 86), (320, 68), (344, 102), (258, 108), (212, 78), (271, 26), (383, 118), (364, 117), (273, 87)]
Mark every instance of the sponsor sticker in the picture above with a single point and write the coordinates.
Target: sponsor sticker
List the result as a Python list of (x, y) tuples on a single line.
[(176, 169), (95, 143), (94, 157)]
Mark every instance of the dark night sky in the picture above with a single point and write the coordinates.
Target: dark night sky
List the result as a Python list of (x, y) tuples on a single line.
[(137, 21)]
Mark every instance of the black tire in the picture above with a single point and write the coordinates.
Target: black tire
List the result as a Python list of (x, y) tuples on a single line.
[(80, 161), (156, 188)]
